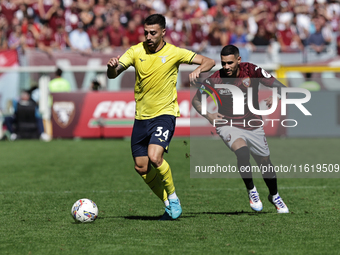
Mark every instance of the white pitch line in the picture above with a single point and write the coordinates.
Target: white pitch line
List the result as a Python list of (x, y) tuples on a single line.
[(146, 190)]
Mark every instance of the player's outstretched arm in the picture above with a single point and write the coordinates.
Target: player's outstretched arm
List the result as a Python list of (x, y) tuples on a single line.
[(114, 68), (205, 65), (197, 104), (276, 84)]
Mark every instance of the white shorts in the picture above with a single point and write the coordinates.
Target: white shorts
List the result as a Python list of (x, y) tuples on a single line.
[(255, 139)]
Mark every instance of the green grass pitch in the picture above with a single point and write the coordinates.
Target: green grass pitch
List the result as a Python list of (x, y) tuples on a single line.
[(40, 182)]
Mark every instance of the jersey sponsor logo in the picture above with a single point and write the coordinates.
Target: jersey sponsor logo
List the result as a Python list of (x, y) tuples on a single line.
[(141, 60), (246, 82), (63, 113), (225, 92), (163, 58), (161, 140)]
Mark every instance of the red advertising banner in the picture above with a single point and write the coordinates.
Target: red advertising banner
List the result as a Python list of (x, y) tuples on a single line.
[(8, 58), (9, 81), (111, 114)]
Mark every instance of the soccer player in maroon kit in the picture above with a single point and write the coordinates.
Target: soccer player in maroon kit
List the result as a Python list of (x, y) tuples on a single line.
[(243, 139)]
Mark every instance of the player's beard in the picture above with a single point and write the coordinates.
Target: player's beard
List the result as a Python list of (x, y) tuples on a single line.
[(152, 45), (231, 72)]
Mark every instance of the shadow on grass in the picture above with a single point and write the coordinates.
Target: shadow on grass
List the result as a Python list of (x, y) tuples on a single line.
[(230, 213), (138, 217), (191, 215), (187, 215), (149, 217)]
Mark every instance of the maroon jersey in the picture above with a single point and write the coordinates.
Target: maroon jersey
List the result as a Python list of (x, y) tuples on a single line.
[(30, 40), (61, 39), (115, 35), (250, 76), (92, 31), (286, 36), (197, 35), (176, 38), (132, 36), (8, 9), (47, 40), (56, 21)]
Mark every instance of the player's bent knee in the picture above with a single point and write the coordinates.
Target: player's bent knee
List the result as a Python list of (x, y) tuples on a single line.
[(243, 154), (266, 161), (141, 169), (263, 160), (155, 154), (141, 164), (156, 160)]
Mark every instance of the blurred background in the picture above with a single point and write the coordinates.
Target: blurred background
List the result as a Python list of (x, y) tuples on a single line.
[(296, 40)]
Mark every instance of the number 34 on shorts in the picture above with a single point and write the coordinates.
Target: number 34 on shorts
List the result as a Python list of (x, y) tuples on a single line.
[(160, 134), (163, 130)]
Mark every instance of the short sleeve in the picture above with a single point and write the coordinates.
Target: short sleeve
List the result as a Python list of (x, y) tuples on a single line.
[(127, 59), (186, 56), (265, 78)]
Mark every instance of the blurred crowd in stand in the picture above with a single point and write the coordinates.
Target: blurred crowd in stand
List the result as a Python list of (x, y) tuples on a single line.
[(103, 25)]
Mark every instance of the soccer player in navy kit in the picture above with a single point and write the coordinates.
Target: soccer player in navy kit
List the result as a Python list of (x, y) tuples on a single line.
[(156, 63), (243, 139)]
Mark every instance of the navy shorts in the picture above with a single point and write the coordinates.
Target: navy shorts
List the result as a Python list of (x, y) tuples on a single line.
[(158, 130)]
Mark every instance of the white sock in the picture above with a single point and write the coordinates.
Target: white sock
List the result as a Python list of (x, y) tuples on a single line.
[(172, 196), (166, 203)]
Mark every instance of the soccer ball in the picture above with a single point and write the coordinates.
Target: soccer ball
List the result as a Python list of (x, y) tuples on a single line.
[(84, 210)]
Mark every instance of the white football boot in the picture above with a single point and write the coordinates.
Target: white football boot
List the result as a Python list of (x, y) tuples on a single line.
[(254, 200), (277, 201)]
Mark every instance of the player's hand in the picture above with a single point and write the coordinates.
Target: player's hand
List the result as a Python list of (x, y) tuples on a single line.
[(214, 116), (269, 101), (113, 62), (194, 76)]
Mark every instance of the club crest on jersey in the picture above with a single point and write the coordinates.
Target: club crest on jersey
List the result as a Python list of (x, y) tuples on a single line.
[(163, 58), (228, 138), (246, 82)]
